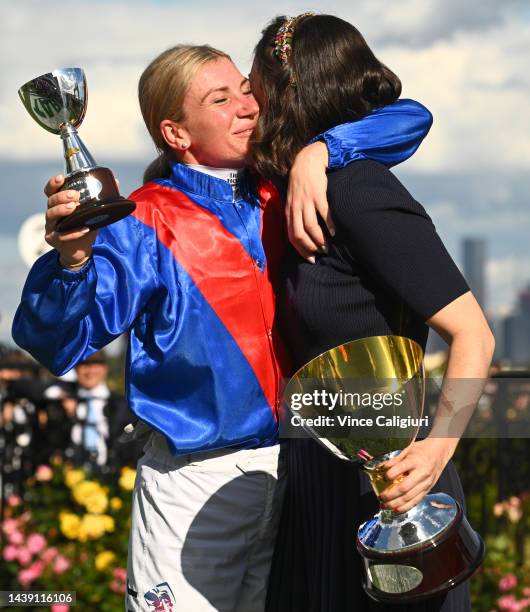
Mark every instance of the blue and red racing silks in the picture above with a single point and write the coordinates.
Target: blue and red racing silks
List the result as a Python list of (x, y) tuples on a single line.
[(191, 277)]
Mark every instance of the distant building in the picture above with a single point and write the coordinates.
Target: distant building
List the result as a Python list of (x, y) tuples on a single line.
[(516, 331), (474, 260)]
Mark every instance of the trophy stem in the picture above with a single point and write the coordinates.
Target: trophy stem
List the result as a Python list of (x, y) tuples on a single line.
[(76, 155), (377, 474)]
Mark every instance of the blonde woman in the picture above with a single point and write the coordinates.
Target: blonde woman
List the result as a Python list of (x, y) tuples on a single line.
[(191, 277)]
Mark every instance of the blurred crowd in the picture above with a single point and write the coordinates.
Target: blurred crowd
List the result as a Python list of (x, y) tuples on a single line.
[(41, 417)]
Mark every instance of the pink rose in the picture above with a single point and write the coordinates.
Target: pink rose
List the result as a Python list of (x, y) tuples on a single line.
[(506, 602), (9, 526), (14, 501), (24, 556), (508, 582), (36, 568), (60, 607), (36, 542), (44, 473), (16, 538), (61, 564), (117, 587), (49, 554), (25, 577), (10, 553), (120, 573)]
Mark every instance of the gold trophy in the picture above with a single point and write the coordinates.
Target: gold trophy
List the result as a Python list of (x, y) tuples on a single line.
[(408, 556), (57, 102)]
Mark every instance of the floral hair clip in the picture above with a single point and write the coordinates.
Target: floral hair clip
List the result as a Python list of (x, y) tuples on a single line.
[(283, 41)]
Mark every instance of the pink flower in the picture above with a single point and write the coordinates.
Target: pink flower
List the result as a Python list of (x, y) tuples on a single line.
[(117, 587), (43, 473), (36, 542), (508, 582), (9, 526), (506, 602), (10, 553), (61, 564), (526, 591), (49, 554), (60, 607), (24, 556), (14, 501), (120, 573), (37, 568), (25, 577), (16, 538)]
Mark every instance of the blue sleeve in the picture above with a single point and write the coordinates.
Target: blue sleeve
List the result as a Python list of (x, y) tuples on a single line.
[(64, 315), (389, 135)]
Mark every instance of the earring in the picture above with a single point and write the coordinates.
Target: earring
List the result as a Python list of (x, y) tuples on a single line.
[(184, 145)]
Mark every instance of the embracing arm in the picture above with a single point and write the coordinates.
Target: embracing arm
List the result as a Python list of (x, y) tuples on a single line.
[(67, 314), (390, 135)]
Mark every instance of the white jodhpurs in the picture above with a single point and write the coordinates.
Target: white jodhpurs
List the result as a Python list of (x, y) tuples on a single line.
[(203, 529)]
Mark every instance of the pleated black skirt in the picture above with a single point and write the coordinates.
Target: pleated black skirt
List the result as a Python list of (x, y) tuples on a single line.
[(316, 567)]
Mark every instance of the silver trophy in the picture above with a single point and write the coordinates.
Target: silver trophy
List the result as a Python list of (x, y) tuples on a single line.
[(407, 556), (57, 102)]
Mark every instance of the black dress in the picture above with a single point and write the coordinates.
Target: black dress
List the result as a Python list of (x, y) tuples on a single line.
[(386, 272)]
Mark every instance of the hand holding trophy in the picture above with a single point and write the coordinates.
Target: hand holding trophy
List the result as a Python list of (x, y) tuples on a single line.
[(57, 102), (408, 556)]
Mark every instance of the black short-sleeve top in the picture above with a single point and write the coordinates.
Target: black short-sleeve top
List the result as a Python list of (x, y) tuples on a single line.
[(386, 272)]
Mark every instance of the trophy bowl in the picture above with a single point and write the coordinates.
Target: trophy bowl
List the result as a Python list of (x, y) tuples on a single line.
[(57, 101), (374, 388)]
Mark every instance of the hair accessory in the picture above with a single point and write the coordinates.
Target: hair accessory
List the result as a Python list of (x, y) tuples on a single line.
[(283, 41)]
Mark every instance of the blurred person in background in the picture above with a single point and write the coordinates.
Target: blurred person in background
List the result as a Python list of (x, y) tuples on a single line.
[(21, 390), (100, 418)]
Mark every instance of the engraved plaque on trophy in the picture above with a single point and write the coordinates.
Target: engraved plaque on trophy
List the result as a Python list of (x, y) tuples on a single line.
[(57, 102)]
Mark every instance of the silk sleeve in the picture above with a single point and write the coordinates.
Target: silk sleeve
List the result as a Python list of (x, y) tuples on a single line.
[(389, 135), (64, 315)]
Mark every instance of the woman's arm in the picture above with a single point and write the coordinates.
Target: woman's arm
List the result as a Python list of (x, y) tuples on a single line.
[(393, 238), (67, 314), (390, 135), (471, 344)]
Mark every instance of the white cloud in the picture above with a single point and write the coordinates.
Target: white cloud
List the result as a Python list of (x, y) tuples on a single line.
[(465, 61), (508, 275)]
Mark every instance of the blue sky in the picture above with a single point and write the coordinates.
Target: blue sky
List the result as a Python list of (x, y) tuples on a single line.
[(466, 61)]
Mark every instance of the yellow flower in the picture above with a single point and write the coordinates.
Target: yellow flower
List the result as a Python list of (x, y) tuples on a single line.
[(127, 478), (72, 477), (116, 503), (91, 495), (96, 504), (70, 524), (104, 559), (93, 526), (108, 522)]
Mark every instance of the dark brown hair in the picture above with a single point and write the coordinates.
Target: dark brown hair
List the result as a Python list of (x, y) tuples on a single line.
[(331, 77)]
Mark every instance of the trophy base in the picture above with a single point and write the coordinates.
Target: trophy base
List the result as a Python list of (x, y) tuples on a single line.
[(101, 202), (414, 555)]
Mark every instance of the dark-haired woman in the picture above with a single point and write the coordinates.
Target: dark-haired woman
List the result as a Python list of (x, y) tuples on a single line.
[(386, 272)]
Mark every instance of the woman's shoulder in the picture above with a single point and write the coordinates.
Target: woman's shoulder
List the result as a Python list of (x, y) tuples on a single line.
[(364, 171), (369, 181)]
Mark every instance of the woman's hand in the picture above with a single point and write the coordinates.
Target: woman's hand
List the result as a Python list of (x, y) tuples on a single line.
[(420, 465), (74, 246), (306, 196)]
